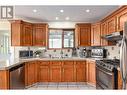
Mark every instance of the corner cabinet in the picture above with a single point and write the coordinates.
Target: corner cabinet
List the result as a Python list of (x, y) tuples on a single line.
[(21, 33), (31, 73), (39, 34), (4, 79), (83, 34), (28, 34), (91, 72)]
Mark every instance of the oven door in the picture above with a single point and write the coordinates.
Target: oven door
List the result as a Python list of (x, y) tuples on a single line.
[(104, 79)]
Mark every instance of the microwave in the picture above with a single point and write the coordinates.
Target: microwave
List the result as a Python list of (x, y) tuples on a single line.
[(25, 54)]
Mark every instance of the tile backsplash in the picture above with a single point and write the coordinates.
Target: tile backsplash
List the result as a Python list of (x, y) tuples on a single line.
[(112, 51)]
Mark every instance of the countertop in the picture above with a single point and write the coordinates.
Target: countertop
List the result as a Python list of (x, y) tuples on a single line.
[(9, 63)]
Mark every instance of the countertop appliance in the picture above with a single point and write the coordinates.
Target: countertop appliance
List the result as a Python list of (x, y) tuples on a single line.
[(98, 53), (123, 56), (107, 74), (17, 77), (25, 54)]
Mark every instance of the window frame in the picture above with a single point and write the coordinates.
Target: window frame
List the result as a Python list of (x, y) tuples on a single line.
[(62, 38)]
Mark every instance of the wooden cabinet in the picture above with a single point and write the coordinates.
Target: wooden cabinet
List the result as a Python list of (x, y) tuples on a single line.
[(119, 80), (121, 18), (91, 72), (39, 34), (55, 71), (104, 42), (111, 25), (83, 34), (80, 71), (4, 79), (68, 71), (43, 71), (21, 33), (95, 34), (30, 73)]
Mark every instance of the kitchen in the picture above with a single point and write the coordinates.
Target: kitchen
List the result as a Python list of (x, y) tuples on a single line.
[(65, 50)]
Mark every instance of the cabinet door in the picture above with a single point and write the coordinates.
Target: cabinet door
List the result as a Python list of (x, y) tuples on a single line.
[(95, 35), (91, 72), (27, 35), (68, 72), (111, 25), (84, 35), (103, 33), (121, 18), (119, 80), (4, 79), (30, 73), (39, 35), (80, 71), (55, 74), (43, 72), (55, 71)]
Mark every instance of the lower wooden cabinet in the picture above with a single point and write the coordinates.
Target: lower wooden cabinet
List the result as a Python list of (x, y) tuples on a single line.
[(80, 68), (55, 71), (4, 79), (68, 71), (30, 73), (91, 72), (43, 71), (58, 71), (119, 80)]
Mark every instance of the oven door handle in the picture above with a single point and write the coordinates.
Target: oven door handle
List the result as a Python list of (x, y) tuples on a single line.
[(104, 71)]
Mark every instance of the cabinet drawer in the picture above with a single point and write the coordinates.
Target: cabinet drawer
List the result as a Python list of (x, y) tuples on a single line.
[(44, 63), (55, 63), (68, 63)]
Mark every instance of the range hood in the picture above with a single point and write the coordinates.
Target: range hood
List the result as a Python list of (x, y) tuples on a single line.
[(114, 37)]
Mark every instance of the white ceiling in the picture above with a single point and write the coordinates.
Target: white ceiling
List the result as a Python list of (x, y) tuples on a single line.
[(75, 13)]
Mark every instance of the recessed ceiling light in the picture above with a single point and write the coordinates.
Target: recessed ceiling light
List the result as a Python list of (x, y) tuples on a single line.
[(34, 10), (67, 18), (61, 11), (87, 10), (57, 18)]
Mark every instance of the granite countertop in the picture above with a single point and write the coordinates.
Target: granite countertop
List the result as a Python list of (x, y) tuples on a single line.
[(9, 63)]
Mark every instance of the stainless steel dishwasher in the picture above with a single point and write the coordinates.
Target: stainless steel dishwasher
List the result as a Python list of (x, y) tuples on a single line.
[(17, 77)]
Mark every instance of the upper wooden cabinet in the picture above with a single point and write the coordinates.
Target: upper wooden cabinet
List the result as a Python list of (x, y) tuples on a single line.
[(28, 34), (21, 33), (104, 42), (95, 34), (39, 34), (111, 25), (83, 34), (121, 18)]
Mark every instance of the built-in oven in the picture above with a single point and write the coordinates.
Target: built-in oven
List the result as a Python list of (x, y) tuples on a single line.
[(106, 79)]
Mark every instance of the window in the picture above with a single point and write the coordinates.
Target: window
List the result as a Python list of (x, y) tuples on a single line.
[(61, 38), (4, 43)]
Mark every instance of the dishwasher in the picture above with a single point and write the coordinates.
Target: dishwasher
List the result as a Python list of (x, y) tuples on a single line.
[(17, 77)]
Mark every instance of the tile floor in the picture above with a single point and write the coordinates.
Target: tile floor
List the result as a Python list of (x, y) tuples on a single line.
[(62, 86)]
